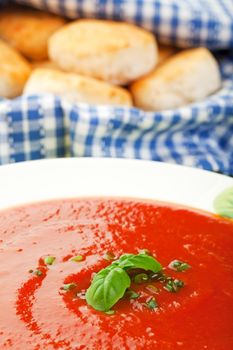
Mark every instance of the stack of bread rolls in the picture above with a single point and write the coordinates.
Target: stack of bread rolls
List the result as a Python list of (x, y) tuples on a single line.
[(99, 62)]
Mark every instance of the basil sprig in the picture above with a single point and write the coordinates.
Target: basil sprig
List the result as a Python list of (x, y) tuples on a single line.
[(109, 284)]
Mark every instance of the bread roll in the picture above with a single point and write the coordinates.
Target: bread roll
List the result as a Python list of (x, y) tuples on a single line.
[(112, 51), (76, 88), (44, 64), (28, 30), (14, 71), (188, 76), (165, 52)]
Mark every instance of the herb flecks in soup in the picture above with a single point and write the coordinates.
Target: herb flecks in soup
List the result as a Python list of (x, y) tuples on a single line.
[(111, 283), (175, 289)]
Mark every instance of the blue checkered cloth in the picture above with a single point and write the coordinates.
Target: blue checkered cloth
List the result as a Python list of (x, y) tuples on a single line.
[(183, 23), (199, 135)]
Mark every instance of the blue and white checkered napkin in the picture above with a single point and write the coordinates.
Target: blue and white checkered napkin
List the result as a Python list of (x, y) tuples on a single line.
[(199, 135), (183, 23)]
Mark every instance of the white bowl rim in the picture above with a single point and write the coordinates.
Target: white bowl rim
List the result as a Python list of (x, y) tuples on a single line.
[(49, 179)]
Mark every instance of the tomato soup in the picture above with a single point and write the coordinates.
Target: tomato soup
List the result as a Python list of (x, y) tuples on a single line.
[(49, 253)]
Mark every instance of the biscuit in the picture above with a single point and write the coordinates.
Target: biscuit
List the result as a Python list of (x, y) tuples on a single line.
[(28, 31), (164, 52), (76, 88), (188, 76), (44, 64), (115, 52), (14, 71)]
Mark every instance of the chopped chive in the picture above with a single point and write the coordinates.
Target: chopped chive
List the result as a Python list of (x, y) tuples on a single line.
[(77, 258), (69, 286), (179, 266), (131, 294), (49, 260), (151, 288), (110, 312), (152, 304), (38, 272), (140, 278), (109, 256), (158, 276), (174, 286)]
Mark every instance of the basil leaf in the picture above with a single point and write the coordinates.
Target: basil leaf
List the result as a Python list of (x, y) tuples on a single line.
[(140, 261), (223, 203), (108, 286)]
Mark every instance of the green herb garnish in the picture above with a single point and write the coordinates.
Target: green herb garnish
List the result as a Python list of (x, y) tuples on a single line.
[(131, 294), (38, 272), (151, 288), (151, 304), (139, 261), (174, 286), (141, 278), (109, 285), (158, 277), (77, 258), (179, 266), (69, 286), (49, 260)]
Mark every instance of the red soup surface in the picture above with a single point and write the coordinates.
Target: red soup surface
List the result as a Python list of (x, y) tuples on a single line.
[(37, 313)]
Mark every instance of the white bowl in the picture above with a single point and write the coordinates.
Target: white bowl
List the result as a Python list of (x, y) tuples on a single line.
[(93, 177)]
